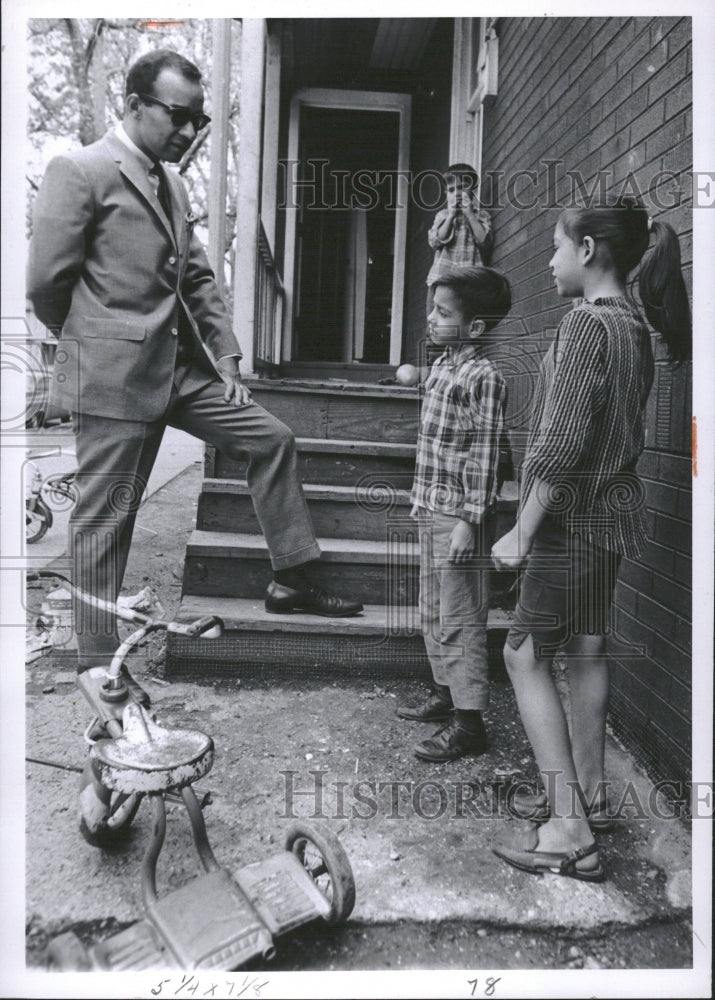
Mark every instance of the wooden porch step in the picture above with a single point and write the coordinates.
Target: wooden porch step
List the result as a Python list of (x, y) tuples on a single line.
[(367, 512), (379, 642), (365, 372), (341, 462), (228, 564), (345, 410)]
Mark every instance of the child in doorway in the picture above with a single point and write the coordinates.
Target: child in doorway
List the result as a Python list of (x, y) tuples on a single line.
[(581, 511), (453, 497), (461, 234)]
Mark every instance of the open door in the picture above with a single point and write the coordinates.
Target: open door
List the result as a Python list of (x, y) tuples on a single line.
[(346, 226)]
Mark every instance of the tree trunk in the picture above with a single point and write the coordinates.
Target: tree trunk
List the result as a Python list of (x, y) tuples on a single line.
[(98, 85), (81, 60)]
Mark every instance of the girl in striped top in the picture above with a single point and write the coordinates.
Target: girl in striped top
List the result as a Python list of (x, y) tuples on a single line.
[(582, 509)]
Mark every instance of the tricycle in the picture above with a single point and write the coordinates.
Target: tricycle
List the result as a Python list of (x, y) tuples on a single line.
[(218, 920)]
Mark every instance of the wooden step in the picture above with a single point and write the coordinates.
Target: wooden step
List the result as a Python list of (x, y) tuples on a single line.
[(365, 372), (336, 511), (380, 642), (227, 564), (368, 510), (346, 410), (340, 462)]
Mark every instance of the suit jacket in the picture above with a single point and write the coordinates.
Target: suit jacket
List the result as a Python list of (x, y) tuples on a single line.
[(111, 276)]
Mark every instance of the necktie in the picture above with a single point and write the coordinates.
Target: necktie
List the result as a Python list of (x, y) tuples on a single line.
[(162, 189), (185, 345)]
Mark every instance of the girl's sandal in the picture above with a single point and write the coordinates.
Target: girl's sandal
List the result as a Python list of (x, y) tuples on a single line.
[(536, 862), (536, 808)]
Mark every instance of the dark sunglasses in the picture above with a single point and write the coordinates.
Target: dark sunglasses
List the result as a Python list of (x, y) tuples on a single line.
[(179, 116)]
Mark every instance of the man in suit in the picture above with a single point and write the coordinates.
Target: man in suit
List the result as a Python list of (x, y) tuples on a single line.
[(145, 341)]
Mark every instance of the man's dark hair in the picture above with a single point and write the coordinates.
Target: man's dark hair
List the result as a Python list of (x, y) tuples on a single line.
[(482, 292), (463, 171), (143, 73)]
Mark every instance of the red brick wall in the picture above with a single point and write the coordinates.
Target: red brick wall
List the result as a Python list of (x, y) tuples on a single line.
[(608, 94)]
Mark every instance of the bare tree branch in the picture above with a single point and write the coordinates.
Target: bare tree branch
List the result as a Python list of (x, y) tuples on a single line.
[(92, 43), (87, 133), (131, 24), (191, 154)]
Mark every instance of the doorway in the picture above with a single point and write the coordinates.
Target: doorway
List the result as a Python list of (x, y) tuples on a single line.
[(346, 226)]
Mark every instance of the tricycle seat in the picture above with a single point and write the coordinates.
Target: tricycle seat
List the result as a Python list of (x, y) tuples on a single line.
[(149, 758)]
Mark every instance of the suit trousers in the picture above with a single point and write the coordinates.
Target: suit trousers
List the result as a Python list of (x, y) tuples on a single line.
[(454, 604), (114, 462)]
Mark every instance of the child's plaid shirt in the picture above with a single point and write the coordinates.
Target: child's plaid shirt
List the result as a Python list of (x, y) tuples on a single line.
[(458, 442)]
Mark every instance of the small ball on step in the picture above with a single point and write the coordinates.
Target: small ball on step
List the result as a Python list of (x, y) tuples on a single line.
[(407, 375)]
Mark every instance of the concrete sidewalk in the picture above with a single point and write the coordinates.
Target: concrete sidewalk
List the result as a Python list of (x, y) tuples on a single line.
[(418, 835)]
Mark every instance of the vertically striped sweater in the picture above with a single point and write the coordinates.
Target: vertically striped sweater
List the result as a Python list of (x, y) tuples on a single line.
[(587, 426)]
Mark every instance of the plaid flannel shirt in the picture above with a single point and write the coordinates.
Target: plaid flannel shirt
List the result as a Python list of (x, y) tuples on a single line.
[(458, 442)]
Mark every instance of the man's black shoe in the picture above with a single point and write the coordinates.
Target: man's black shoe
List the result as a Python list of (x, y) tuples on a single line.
[(282, 600), (435, 706), (451, 742)]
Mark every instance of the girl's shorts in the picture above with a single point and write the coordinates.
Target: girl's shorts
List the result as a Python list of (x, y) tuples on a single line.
[(565, 591)]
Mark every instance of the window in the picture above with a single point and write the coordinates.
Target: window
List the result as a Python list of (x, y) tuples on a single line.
[(474, 85)]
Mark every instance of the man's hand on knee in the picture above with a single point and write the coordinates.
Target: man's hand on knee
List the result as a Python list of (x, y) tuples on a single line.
[(236, 392)]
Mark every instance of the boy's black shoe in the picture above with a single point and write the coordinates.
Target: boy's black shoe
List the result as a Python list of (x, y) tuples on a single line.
[(283, 600), (451, 742), (436, 705)]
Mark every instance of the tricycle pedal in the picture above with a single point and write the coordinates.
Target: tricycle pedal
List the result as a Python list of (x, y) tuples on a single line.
[(210, 924), (282, 892), (94, 806), (96, 730)]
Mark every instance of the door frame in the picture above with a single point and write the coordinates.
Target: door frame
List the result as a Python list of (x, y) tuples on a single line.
[(351, 100)]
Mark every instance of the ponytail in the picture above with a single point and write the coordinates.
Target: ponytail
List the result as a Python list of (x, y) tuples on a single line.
[(662, 291), (623, 225)]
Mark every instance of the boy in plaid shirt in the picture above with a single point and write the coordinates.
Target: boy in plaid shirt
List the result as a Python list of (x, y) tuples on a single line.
[(454, 497)]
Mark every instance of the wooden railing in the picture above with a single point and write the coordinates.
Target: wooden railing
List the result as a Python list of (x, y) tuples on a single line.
[(269, 306)]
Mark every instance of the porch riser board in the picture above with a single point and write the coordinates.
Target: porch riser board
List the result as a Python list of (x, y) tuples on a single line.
[(226, 511), (334, 470), (367, 582), (331, 518), (264, 656), (333, 415), (371, 583), (367, 372)]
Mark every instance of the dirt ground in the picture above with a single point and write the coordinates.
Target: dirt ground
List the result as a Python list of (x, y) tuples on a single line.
[(430, 893)]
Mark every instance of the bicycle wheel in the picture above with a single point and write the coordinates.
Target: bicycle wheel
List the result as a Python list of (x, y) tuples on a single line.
[(122, 810), (61, 491), (38, 518), (324, 859)]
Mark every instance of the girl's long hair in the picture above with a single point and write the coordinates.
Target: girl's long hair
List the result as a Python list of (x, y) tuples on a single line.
[(624, 226)]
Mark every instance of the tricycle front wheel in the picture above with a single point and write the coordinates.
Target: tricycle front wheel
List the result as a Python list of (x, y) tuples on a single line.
[(122, 810), (324, 859)]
